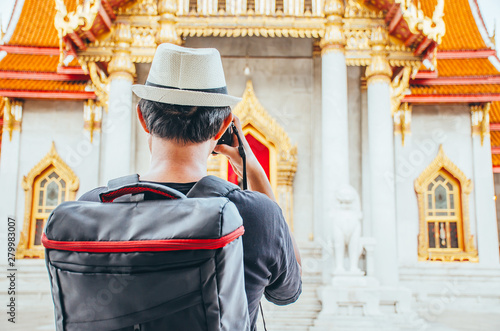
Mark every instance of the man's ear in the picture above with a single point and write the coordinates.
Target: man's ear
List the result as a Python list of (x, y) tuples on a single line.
[(141, 119), (227, 122)]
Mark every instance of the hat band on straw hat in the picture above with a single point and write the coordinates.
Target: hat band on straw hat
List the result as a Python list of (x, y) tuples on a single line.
[(218, 90)]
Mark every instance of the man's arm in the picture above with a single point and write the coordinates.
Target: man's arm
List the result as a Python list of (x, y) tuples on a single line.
[(256, 176)]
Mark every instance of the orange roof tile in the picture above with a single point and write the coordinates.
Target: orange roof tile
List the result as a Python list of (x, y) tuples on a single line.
[(455, 89), (40, 85), (466, 67), (26, 62), (495, 138), (36, 24), (496, 160), (495, 112), (462, 32)]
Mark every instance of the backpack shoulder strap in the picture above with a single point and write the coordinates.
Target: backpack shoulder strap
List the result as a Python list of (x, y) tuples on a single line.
[(211, 186), (115, 183), (130, 188)]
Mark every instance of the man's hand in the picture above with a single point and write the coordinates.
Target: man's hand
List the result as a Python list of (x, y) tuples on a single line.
[(256, 176)]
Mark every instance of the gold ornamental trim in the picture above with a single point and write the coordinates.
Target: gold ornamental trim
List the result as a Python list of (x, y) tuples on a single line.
[(402, 121), (379, 70), (167, 32), (92, 118), (469, 252), (25, 248), (12, 116), (480, 116), (100, 82), (400, 87), (355, 9), (267, 32), (121, 65)]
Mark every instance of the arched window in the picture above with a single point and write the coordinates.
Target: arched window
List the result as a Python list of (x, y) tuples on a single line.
[(443, 191), (48, 184), (443, 217), (49, 190)]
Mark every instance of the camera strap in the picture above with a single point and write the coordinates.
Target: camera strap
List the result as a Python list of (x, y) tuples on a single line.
[(241, 151)]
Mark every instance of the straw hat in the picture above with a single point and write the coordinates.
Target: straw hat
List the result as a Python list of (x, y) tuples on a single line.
[(186, 76)]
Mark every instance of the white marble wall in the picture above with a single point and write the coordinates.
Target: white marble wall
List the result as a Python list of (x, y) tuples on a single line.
[(61, 122), (431, 126)]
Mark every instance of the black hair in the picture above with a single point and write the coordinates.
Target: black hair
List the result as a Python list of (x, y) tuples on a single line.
[(185, 124)]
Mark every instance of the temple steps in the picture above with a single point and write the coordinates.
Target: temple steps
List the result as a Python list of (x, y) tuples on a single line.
[(300, 315)]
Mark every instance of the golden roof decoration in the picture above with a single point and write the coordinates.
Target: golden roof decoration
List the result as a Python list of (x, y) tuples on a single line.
[(251, 111), (356, 9), (434, 28)]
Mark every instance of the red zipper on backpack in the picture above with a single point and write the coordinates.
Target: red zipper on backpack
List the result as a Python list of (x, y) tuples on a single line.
[(162, 245)]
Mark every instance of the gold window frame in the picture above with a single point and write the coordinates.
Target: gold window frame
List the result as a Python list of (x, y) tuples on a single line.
[(51, 162), (467, 251), (446, 215)]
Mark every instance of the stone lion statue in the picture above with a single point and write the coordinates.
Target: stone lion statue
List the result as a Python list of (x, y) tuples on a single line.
[(346, 229)]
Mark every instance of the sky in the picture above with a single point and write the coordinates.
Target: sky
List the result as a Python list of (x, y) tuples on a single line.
[(490, 9)]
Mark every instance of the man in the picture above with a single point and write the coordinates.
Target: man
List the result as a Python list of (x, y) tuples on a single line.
[(185, 110)]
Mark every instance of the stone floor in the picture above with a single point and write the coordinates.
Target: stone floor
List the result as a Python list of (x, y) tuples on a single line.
[(35, 309), (37, 319)]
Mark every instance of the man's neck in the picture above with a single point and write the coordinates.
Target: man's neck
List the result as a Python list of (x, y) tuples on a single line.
[(172, 162)]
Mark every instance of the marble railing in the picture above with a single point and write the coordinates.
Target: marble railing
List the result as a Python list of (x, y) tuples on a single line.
[(250, 7)]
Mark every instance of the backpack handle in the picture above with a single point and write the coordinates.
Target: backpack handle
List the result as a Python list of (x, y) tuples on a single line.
[(131, 185)]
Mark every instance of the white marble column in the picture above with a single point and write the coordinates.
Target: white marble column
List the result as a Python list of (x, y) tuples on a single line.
[(117, 131), (381, 161), (486, 221), (9, 171), (334, 125)]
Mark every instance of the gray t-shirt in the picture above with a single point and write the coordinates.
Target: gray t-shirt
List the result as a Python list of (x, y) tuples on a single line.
[(269, 259)]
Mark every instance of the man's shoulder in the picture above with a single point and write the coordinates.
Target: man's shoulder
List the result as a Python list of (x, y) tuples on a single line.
[(93, 195), (254, 201)]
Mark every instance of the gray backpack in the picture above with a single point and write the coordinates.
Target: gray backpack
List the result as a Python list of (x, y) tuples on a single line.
[(172, 263)]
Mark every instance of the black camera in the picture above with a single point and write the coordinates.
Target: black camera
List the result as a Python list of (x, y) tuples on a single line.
[(227, 137)]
